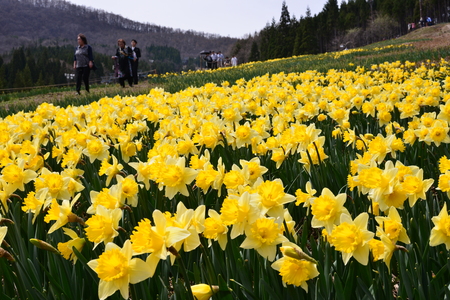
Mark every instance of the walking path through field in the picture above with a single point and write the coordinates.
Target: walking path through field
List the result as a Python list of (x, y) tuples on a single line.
[(110, 90), (431, 37)]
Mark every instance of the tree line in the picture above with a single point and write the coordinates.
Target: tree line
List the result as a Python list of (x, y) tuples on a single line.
[(42, 66), (353, 23), (108, 18), (164, 59), (57, 22)]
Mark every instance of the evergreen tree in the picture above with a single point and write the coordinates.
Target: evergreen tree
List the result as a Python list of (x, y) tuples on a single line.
[(40, 81), (268, 41), (307, 32), (3, 83), (331, 10), (363, 13), (51, 79), (236, 48), (347, 17), (297, 42), (18, 80), (254, 52), (31, 63), (27, 81), (355, 19), (42, 60), (284, 40), (17, 64), (191, 64), (166, 59)]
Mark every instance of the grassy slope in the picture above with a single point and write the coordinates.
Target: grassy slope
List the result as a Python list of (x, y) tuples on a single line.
[(428, 38), (29, 100)]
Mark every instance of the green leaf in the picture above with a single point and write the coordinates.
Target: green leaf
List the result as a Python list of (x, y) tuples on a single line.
[(197, 273), (84, 262), (350, 280), (223, 286), (224, 291), (363, 286), (405, 277), (244, 288), (269, 290), (340, 293)]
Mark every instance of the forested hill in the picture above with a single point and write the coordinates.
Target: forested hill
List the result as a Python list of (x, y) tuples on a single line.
[(341, 24), (57, 22)]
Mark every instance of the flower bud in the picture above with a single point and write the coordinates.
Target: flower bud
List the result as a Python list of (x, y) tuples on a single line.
[(6, 254), (73, 218), (8, 221), (204, 291), (296, 253), (173, 251), (43, 245)]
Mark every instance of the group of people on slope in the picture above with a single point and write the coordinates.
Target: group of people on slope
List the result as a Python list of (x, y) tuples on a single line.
[(422, 23), (126, 62), (217, 60)]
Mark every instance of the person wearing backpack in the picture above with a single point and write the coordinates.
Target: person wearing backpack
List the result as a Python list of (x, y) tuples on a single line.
[(209, 61)]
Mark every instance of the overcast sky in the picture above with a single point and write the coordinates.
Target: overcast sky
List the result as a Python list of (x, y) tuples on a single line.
[(234, 18)]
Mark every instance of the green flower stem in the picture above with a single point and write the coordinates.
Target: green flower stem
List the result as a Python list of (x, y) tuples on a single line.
[(183, 270)]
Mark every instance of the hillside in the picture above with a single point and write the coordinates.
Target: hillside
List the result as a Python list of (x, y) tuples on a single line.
[(432, 37), (436, 36), (57, 22)]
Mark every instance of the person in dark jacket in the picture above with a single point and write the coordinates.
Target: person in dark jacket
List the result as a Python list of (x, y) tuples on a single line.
[(135, 62), (123, 58), (83, 62)]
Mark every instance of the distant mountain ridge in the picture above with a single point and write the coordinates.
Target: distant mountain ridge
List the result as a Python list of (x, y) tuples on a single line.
[(57, 22)]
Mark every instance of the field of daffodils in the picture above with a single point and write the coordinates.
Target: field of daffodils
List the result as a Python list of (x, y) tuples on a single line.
[(289, 185)]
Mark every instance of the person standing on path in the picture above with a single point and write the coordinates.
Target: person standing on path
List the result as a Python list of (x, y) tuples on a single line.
[(214, 60), (135, 62), (220, 59), (83, 62), (234, 61), (124, 56)]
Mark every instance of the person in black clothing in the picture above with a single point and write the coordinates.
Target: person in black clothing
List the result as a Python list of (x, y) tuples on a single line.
[(208, 60), (135, 62), (83, 62), (123, 58)]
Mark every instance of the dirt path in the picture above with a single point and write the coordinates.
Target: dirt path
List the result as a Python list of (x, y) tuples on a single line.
[(111, 90), (431, 37)]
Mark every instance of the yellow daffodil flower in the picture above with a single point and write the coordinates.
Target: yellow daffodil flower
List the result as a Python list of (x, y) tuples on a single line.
[(327, 209), (156, 240), (16, 176), (102, 227), (116, 269), (351, 238), (263, 235), (392, 226), (110, 170), (62, 214), (440, 234), (215, 229), (66, 248), (175, 176), (295, 267)]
